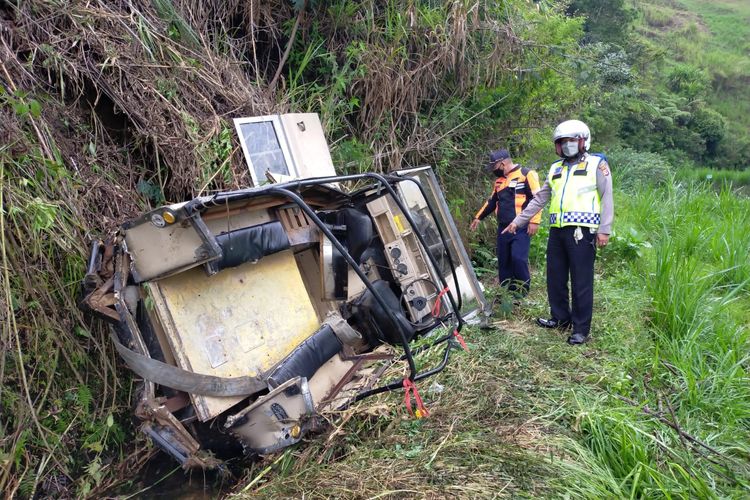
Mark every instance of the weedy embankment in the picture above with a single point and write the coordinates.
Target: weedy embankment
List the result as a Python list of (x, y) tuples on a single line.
[(676, 425), (100, 119)]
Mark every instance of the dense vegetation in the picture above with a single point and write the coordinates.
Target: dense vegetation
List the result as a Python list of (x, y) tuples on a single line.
[(110, 108)]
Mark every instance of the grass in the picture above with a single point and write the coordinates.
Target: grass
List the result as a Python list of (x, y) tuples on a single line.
[(656, 406), (725, 56), (738, 179), (50, 369)]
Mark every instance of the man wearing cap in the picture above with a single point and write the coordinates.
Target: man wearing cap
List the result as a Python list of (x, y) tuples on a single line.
[(514, 188)]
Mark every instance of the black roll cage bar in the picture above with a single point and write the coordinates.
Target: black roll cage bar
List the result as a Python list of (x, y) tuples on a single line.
[(194, 207)]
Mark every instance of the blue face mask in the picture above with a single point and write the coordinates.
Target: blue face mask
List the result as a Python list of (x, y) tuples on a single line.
[(570, 149)]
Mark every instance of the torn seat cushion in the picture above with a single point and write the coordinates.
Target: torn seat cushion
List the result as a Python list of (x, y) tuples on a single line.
[(305, 360), (251, 243)]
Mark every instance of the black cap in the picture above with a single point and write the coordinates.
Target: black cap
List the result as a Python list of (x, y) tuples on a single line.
[(496, 156)]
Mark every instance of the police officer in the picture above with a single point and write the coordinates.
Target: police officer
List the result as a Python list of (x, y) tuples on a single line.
[(579, 190), (513, 190)]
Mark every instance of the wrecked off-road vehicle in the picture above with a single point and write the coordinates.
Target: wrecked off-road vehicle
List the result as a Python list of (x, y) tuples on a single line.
[(247, 314)]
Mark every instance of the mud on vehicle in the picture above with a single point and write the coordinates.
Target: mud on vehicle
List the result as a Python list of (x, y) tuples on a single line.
[(246, 314)]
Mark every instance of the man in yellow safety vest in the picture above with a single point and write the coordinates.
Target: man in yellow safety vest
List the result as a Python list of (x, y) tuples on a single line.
[(579, 190)]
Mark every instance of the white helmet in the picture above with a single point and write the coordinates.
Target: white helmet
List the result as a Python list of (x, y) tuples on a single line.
[(572, 128)]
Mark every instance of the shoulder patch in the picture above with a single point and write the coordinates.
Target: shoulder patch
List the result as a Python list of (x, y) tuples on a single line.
[(603, 167)]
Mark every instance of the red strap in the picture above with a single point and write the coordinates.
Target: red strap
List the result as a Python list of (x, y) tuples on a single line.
[(460, 340), (410, 388), (438, 302), (408, 384)]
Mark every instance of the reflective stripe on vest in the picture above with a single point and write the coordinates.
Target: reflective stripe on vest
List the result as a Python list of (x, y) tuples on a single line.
[(575, 200)]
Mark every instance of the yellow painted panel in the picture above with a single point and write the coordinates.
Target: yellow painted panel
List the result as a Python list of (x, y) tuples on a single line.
[(241, 321)]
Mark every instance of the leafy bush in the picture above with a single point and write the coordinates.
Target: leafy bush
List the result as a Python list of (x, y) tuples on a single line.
[(483, 260), (711, 126), (734, 152), (612, 65), (688, 81), (626, 245), (632, 170), (610, 24)]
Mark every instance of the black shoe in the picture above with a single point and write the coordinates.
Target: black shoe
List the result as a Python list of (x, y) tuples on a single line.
[(577, 339), (553, 323)]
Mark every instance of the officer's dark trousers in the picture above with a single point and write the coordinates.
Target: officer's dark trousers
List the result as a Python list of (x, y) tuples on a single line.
[(566, 258), (513, 261)]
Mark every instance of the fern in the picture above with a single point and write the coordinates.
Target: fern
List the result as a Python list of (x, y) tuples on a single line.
[(20, 448), (26, 487), (84, 397)]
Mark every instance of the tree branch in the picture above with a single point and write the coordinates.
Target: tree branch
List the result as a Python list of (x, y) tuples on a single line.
[(289, 44)]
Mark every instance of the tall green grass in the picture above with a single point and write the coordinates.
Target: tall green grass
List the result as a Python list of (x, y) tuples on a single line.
[(695, 277), (719, 178)]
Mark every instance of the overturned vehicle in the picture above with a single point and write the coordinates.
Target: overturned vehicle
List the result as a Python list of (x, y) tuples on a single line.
[(248, 314)]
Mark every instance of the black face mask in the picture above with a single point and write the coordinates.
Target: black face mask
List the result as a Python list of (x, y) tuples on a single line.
[(499, 172)]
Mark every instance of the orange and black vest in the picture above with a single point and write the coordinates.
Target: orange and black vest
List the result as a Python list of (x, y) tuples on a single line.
[(510, 195)]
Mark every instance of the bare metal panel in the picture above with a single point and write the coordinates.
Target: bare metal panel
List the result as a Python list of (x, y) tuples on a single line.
[(219, 223), (158, 251), (238, 322), (308, 266), (308, 145), (404, 255), (327, 377), (299, 229), (276, 419), (471, 289)]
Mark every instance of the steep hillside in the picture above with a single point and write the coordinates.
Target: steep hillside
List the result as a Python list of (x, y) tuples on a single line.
[(713, 37), (705, 48)]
